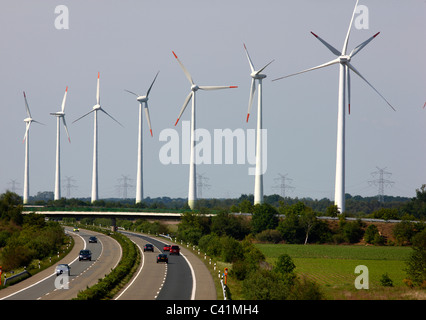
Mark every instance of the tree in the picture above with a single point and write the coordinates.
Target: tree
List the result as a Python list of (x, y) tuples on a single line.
[(307, 220), (11, 208), (264, 217), (416, 264)]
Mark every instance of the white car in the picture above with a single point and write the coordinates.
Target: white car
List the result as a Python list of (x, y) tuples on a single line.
[(62, 268)]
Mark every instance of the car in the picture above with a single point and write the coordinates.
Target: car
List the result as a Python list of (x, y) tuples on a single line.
[(62, 268), (148, 247), (175, 250), (166, 247), (162, 257), (85, 255), (75, 229), (93, 240)]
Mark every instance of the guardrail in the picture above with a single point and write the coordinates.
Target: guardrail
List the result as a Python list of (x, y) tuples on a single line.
[(16, 276)]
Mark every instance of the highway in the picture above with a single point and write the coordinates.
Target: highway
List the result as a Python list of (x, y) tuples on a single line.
[(185, 277), (106, 254)]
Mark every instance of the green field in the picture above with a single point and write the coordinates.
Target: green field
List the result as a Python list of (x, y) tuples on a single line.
[(333, 267)]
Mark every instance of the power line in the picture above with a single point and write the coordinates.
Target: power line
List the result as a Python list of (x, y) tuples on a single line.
[(125, 185), (381, 181), (68, 186), (14, 186), (201, 183), (283, 186)]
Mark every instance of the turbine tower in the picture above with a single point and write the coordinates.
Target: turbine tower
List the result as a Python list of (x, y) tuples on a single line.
[(143, 101), (257, 75), (344, 61), (192, 192), (59, 115), (97, 107), (28, 122)]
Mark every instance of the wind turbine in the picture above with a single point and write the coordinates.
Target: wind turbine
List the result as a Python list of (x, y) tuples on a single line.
[(59, 115), (143, 100), (28, 122), (344, 61), (192, 192), (257, 75), (97, 107)]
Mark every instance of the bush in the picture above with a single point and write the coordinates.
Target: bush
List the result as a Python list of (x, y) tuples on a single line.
[(269, 235), (386, 281), (211, 245), (370, 233), (352, 231)]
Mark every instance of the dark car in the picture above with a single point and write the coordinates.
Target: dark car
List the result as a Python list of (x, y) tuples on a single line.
[(93, 240), (148, 247), (62, 268), (166, 247), (175, 250), (162, 258), (85, 255)]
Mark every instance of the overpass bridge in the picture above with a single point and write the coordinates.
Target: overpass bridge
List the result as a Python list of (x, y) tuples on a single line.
[(113, 215)]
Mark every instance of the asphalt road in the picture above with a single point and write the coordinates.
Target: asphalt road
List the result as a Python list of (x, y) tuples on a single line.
[(47, 286), (184, 277)]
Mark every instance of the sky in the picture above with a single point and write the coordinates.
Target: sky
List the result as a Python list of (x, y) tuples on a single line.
[(129, 41)]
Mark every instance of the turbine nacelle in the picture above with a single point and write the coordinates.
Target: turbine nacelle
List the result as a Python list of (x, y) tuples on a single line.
[(97, 107), (344, 59), (142, 99), (194, 87), (257, 76), (58, 114)]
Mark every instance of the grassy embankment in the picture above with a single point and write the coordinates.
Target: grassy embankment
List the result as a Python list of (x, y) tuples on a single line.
[(333, 268)]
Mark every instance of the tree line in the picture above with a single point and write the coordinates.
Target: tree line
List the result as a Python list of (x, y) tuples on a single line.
[(356, 206), (24, 238)]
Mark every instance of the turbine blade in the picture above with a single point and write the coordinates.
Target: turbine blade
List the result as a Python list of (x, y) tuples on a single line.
[(310, 69), (184, 106), (66, 129), (37, 122), (187, 74), (252, 90), (216, 87), (149, 90), (259, 71), (362, 45), (248, 57), (64, 100), (147, 118), (348, 76), (111, 117), (83, 116), (359, 74), (26, 106), (345, 44), (132, 93), (98, 98), (330, 47)]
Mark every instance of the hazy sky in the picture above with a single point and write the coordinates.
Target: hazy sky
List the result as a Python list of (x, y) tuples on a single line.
[(129, 41)]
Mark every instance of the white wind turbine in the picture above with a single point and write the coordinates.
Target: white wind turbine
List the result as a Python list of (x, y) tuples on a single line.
[(97, 107), (59, 115), (343, 59), (257, 75), (143, 102), (28, 122), (192, 192)]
